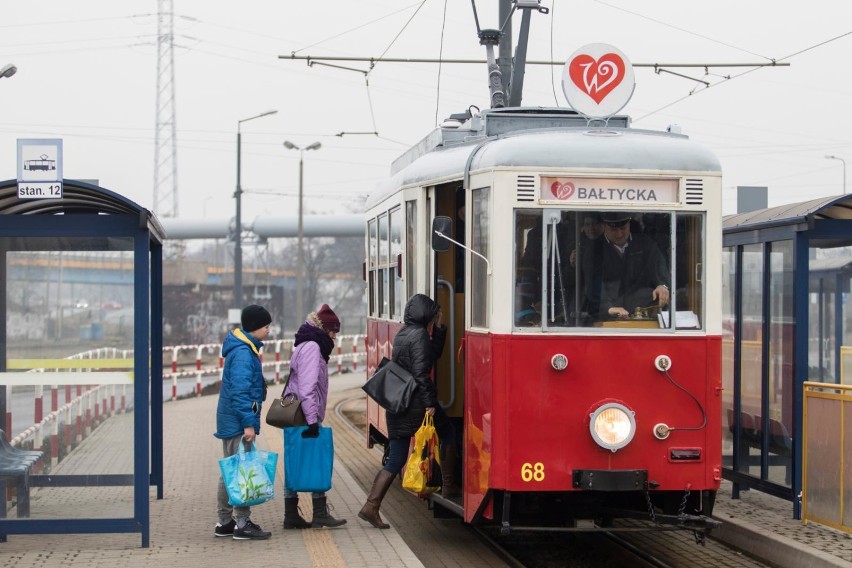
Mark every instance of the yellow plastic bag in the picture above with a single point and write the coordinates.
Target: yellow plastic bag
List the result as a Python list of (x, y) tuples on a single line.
[(423, 468)]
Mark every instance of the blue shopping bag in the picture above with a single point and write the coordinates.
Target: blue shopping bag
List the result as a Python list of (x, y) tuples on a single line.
[(249, 476), (308, 461)]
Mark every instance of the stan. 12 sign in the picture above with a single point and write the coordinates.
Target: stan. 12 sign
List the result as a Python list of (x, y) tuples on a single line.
[(39, 168), (598, 80)]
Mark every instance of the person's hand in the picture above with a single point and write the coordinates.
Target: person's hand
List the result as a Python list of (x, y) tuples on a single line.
[(430, 411), (312, 431), (438, 317), (618, 312), (249, 434), (573, 258), (661, 294)]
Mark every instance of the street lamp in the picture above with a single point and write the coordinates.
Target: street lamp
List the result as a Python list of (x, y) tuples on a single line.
[(8, 70), (238, 228), (830, 157), (300, 264)]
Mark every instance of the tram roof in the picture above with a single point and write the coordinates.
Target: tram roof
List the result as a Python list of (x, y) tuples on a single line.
[(542, 138), (835, 207)]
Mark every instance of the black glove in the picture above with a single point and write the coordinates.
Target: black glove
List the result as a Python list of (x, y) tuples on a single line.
[(312, 431)]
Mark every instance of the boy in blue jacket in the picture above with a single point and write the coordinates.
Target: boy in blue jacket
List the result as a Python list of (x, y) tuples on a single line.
[(238, 413)]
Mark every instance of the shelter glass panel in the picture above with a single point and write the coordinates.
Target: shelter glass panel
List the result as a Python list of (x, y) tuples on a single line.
[(729, 279), (828, 313), (781, 349), (751, 364), (68, 371)]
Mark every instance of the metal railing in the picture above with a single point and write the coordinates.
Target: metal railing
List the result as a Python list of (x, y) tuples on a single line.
[(826, 454)]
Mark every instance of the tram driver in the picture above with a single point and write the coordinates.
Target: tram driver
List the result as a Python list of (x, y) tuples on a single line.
[(624, 271)]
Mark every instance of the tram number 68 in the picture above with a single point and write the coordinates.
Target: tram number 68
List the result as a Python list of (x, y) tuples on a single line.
[(532, 472)]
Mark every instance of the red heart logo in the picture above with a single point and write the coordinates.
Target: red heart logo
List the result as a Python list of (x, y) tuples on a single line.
[(562, 191), (597, 78)]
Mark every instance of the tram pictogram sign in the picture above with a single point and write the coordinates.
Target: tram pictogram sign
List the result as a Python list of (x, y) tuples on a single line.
[(39, 168)]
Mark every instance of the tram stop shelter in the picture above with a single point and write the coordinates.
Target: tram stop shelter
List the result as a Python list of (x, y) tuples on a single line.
[(80, 362), (786, 280)]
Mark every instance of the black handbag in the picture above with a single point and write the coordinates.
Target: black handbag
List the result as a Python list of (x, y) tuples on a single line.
[(286, 410), (392, 386)]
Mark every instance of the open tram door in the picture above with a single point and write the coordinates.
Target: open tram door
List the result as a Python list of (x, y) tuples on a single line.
[(446, 279)]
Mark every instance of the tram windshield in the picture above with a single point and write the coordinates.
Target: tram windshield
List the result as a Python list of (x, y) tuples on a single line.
[(622, 269)]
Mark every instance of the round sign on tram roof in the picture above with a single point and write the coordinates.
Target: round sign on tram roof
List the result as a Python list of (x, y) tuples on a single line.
[(598, 80)]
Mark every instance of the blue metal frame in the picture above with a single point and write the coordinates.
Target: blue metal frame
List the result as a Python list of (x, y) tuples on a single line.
[(123, 218), (800, 361), (805, 222)]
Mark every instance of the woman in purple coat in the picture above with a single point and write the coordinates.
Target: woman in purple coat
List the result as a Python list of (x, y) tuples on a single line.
[(309, 381)]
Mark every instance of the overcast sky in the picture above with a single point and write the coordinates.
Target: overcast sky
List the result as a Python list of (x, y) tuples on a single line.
[(87, 73)]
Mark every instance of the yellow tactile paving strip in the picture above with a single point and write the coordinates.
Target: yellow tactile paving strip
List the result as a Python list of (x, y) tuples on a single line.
[(319, 543)]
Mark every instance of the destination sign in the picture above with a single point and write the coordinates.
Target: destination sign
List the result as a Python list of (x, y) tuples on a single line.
[(608, 191)]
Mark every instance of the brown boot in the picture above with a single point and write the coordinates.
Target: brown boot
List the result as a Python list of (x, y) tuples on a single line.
[(370, 511), (449, 487)]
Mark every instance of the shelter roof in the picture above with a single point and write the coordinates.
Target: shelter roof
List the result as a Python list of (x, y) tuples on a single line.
[(77, 197), (836, 207)]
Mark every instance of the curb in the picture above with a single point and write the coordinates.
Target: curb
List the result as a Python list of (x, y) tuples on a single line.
[(769, 547)]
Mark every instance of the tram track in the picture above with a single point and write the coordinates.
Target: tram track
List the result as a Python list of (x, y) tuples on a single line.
[(554, 550), (633, 547)]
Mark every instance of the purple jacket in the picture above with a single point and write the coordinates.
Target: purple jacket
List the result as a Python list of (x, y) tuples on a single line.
[(309, 380)]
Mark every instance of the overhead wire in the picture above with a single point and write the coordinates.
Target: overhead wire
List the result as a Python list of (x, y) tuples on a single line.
[(552, 81), (343, 33), (748, 71), (684, 30), (396, 37), (440, 63)]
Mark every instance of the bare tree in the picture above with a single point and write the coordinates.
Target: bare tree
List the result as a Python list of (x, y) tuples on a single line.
[(333, 276)]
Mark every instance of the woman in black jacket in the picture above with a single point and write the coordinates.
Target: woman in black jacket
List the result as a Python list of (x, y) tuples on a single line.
[(416, 347)]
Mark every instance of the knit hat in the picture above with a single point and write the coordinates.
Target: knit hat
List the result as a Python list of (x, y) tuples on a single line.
[(330, 321), (255, 317)]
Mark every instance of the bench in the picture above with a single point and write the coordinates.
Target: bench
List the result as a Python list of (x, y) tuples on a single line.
[(16, 464), (780, 448)]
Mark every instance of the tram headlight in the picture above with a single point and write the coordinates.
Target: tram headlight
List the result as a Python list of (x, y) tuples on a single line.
[(612, 426)]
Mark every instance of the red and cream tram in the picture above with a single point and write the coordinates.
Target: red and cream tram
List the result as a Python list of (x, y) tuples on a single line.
[(571, 417)]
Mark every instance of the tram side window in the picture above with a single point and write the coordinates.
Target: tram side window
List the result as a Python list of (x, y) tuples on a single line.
[(396, 280), (373, 264), (527, 308), (410, 273), (690, 270), (481, 229), (384, 281)]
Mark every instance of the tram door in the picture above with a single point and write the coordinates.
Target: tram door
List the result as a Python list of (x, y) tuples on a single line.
[(448, 288)]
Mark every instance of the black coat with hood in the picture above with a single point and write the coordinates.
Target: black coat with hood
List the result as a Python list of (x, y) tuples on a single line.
[(417, 352)]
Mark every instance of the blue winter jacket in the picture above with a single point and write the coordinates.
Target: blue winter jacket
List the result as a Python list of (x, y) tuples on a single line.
[(243, 386)]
